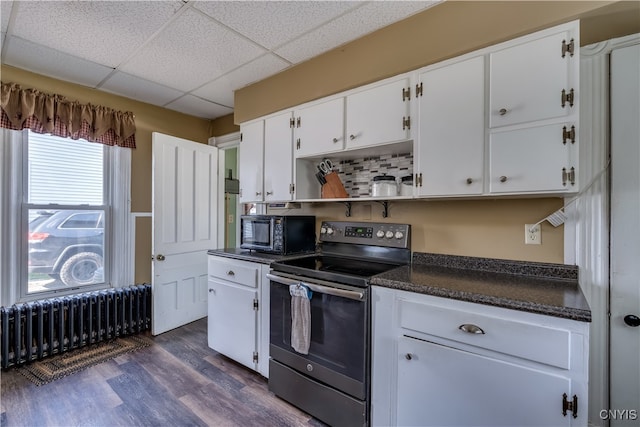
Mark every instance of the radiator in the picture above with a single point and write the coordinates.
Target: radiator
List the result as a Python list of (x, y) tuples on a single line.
[(38, 329)]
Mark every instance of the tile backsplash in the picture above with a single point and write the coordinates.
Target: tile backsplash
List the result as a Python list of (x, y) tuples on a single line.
[(357, 174)]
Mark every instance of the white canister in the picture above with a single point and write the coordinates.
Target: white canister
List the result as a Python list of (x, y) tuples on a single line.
[(384, 186), (406, 185)]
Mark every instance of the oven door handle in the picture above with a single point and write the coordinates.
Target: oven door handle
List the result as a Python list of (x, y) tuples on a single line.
[(358, 296)]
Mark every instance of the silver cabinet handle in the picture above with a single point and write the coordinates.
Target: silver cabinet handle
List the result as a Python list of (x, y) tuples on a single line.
[(230, 273), (471, 329), (269, 193), (502, 111), (469, 181), (408, 356), (335, 140), (503, 178), (160, 257), (352, 137), (258, 193), (212, 291)]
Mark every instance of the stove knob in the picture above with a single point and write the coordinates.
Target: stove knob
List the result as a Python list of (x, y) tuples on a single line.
[(399, 235), (389, 234), (329, 231), (323, 230), (380, 234)]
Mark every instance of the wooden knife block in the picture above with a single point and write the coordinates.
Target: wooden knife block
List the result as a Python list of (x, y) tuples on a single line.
[(333, 189)]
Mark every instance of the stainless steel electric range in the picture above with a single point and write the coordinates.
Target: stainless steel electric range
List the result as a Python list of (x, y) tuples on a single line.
[(332, 381)]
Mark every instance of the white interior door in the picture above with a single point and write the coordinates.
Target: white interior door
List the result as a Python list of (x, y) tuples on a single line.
[(625, 236), (185, 176)]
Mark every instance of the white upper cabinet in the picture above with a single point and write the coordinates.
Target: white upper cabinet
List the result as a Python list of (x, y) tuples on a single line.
[(251, 154), (534, 79), (278, 158), (451, 129), (532, 159), (319, 128), (378, 115)]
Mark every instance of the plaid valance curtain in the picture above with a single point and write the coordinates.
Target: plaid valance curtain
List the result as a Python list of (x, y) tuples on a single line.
[(54, 114)]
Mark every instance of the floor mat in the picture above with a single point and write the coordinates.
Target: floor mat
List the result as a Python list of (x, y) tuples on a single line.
[(52, 368)]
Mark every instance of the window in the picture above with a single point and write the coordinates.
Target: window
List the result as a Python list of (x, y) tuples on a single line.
[(66, 181), (71, 199)]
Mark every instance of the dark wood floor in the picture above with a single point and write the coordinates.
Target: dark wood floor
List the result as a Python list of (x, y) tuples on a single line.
[(178, 381)]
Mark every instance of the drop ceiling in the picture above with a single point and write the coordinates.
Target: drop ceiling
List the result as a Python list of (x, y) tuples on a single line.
[(188, 56)]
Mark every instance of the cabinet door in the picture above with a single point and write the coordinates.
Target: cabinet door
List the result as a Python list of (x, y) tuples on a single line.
[(319, 129), (451, 129), (530, 160), (232, 321), (439, 385), (375, 116), (278, 157), (527, 80), (251, 154)]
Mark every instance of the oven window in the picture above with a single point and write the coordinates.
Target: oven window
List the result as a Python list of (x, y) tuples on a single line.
[(256, 232), (338, 333)]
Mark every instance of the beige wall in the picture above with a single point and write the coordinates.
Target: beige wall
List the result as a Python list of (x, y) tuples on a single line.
[(149, 119), (491, 228)]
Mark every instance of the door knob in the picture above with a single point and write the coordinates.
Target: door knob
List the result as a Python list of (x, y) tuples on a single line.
[(160, 257), (632, 320)]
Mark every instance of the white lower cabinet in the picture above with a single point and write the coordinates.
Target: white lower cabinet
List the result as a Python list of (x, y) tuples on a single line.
[(441, 362), (236, 312)]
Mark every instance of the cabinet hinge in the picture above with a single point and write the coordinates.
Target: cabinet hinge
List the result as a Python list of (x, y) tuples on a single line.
[(406, 123), (569, 134), (292, 122), (418, 180), (567, 47), (240, 136), (570, 406), (255, 304), (419, 89), (255, 357), (569, 176), (298, 121), (406, 94), (292, 188), (298, 144), (566, 97)]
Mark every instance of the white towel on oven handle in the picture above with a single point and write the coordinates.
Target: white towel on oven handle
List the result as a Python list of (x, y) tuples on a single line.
[(300, 317)]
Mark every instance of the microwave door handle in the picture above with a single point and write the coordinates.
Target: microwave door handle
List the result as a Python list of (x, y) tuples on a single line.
[(358, 296)]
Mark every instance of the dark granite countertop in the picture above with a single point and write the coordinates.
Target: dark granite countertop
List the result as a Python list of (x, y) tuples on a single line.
[(253, 256), (549, 289)]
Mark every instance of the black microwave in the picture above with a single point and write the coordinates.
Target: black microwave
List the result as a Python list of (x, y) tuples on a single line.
[(278, 234)]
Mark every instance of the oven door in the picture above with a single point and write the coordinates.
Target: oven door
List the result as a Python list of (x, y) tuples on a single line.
[(339, 334)]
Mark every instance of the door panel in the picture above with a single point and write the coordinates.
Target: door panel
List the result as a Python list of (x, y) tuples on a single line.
[(625, 229), (184, 228)]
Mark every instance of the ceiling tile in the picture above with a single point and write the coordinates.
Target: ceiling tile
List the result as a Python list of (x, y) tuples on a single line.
[(106, 32), (191, 52), (38, 59), (195, 106), (142, 90), (350, 26), (286, 19), (5, 14), (221, 89)]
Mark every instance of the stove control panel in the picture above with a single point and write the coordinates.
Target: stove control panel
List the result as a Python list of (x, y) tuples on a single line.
[(367, 233)]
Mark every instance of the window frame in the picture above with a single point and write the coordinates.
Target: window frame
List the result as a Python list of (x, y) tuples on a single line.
[(25, 207)]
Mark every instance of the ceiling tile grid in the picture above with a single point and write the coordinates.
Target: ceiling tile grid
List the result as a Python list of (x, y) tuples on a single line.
[(191, 52), (105, 32), (186, 55)]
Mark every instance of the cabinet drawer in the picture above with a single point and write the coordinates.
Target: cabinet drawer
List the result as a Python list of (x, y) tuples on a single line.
[(240, 272), (525, 340)]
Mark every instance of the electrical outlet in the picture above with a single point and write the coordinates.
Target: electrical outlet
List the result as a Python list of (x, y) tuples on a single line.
[(532, 234)]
